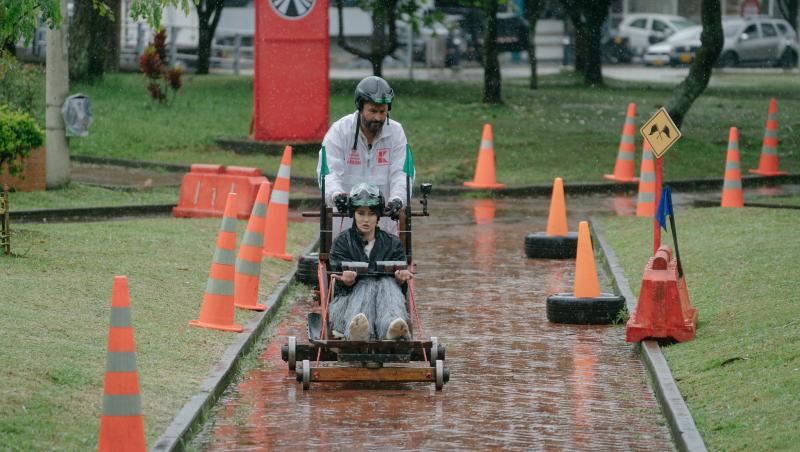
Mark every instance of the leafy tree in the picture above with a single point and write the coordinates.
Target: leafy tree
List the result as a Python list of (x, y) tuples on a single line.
[(711, 41), (384, 15), (532, 10), (20, 18)]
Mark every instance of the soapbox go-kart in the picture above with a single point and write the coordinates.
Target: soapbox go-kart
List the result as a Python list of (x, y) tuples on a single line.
[(328, 359)]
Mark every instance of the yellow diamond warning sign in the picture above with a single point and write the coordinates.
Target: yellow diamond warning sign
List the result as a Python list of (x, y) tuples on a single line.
[(660, 132)]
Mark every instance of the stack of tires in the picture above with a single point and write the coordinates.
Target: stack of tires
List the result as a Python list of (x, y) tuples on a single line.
[(307, 270)]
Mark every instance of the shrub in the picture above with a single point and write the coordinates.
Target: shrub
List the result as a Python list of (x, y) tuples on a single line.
[(19, 133), (152, 63), (18, 85)]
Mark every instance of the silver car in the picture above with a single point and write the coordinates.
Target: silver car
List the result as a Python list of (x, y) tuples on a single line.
[(758, 41)]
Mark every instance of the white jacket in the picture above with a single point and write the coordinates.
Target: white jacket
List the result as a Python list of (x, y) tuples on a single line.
[(380, 165)]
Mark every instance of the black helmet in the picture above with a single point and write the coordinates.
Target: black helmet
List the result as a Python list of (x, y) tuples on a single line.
[(366, 195), (373, 89)]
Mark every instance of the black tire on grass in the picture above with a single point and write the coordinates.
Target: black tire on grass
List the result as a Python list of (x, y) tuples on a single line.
[(566, 308), (543, 246)]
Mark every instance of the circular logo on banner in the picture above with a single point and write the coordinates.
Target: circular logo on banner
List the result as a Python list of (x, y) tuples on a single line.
[(292, 9)]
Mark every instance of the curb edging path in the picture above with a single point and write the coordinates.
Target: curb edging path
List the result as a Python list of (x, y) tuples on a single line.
[(681, 424), (179, 432)]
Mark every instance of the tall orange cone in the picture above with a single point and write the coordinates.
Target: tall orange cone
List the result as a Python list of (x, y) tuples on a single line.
[(122, 422), (586, 283), (484, 170), (278, 211), (217, 311), (732, 184), (768, 163), (646, 204), (624, 167), (557, 217), (251, 251)]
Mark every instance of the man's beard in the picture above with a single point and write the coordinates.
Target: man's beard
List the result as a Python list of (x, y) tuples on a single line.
[(372, 127)]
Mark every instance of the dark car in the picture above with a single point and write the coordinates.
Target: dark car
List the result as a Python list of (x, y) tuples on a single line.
[(512, 32)]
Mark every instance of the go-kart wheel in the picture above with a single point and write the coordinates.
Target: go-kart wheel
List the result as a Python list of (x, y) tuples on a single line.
[(291, 356), (434, 349), (440, 374), (306, 374)]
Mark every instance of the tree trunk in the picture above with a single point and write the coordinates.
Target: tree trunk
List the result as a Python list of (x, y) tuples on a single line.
[(579, 41), (89, 43), (595, 13), (711, 41), (208, 14), (113, 34), (56, 90), (378, 36), (532, 9), (491, 67)]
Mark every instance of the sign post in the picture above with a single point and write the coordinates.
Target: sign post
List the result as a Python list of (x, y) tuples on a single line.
[(290, 86), (661, 133)]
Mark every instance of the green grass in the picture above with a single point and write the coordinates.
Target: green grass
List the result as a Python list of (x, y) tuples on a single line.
[(79, 195), (740, 376), (55, 312), (562, 129), (777, 200)]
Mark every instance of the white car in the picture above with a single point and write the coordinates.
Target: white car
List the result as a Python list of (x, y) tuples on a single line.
[(642, 30), (756, 41), (677, 49)]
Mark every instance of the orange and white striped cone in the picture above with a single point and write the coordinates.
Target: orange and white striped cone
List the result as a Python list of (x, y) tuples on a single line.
[(586, 284), (732, 184), (624, 166), (768, 162), (485, 177), (217, 311), (251, 251), (646, 203), (278, 210), (122, 422)]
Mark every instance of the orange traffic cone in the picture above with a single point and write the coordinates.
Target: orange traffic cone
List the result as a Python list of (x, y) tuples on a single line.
[(557, 217), (732, 184), (122, 422), (484, 169), (278, 211), (646, 204), (623, 168), (251, 251), (768, 163), (586, 283), (217, 311)]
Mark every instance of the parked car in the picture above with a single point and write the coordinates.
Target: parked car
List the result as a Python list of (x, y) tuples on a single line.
[(642, 30), (758, 41), (678, 49)]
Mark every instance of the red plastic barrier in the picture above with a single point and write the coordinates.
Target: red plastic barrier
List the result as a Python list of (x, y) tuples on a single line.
[(663, 310), (205, 188)]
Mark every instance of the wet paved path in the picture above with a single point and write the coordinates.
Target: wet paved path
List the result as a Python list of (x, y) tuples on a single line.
[(517, 381)]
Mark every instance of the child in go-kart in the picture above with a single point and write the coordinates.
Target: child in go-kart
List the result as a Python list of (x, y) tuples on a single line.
[(368, 308)]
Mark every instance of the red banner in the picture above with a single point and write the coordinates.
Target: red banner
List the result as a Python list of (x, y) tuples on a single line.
[(290, 86)]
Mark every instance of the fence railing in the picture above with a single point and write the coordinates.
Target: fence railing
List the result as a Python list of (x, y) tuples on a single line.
[(229, 51)]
